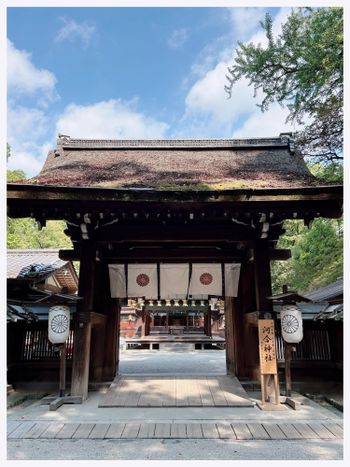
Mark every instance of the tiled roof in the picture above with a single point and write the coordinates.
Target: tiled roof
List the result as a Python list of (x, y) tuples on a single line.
[(175, 164), (45, 262), (327, 293)]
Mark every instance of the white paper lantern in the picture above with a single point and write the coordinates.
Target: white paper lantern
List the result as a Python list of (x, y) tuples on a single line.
[(59, 317), (291, 324)]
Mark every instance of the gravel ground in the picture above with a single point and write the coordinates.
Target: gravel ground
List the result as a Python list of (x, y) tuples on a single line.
[(176, 449), (209, 362)]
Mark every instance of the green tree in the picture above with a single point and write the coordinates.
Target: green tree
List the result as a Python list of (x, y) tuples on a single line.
[(317, 255), (24, 233), (302, 68), (13, 175)]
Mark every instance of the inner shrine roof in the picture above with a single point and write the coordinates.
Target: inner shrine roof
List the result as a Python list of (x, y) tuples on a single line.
[(225, 164)]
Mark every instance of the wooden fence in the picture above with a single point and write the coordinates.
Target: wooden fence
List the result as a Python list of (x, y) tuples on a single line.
[(37, 347)]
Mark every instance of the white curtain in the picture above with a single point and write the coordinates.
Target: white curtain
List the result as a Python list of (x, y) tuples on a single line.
[(206, 280), (232, 272), (117, 280), (174, 280), (143, 281)]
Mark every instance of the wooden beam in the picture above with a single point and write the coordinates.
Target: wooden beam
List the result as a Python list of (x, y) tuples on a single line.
[(181, 234), (174, 254), (279, 254), (22, 191)]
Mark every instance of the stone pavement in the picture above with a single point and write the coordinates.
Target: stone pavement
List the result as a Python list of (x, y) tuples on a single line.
[(87, 431)]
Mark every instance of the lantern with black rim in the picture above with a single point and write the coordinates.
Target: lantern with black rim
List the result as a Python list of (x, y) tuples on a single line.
[(59, 319)]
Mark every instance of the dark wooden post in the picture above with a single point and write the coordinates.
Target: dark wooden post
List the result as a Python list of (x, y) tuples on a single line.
[(206, 323), (97, 352), (209, 323), (143, 325), (287, 362), (62, 386), (262, 277), (82, 334), (229, 337), (107, 339)]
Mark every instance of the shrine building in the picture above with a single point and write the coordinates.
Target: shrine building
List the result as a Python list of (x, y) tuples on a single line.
[(183, 228)]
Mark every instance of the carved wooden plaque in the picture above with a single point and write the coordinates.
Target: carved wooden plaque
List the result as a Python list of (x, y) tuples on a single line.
[(267, 347)]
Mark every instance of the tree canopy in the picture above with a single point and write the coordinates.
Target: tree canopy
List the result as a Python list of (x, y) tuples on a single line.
[(301, 68), (24, 233)]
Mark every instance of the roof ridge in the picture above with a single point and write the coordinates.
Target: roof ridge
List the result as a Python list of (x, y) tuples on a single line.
[(284, 139)]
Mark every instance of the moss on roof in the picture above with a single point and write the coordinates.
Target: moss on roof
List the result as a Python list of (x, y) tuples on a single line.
[(175, 164)]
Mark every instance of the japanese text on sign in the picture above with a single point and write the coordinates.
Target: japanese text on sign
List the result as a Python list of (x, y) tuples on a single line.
[(267, 349)]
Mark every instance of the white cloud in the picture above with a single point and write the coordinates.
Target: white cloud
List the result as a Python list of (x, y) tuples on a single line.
[(73, 31), (270, 123), (207, 96), (245, 21), (31, 162), (178, 38), (23, 78), (207, 106), (26, 129), (108, 119)]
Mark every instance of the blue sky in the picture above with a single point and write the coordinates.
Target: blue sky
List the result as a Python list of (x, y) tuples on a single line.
[(129, 73)]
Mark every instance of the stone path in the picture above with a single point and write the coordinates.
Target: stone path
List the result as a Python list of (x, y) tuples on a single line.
[(133, 430)]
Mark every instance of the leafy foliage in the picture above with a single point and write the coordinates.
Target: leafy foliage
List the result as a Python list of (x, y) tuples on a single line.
[(302, 68), (13, 175), (24, 233), (317, 255)]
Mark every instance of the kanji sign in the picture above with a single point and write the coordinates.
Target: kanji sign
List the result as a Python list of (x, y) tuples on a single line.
[(267, 349)]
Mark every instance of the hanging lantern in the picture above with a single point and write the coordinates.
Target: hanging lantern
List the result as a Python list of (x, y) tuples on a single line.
[(150, 303), (202, 303), (59, 319), (176, 303), (291, 323), (140, 303), (184, 303), (159, 303), (167, 302), (193, 302)]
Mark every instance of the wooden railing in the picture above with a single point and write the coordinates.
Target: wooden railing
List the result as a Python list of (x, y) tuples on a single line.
[(36, 346), (314, 346)]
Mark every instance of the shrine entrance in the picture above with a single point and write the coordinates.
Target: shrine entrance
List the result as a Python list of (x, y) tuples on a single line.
[(120, 207)]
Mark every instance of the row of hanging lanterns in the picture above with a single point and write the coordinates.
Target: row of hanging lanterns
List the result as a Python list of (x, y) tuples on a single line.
[(214, 303)]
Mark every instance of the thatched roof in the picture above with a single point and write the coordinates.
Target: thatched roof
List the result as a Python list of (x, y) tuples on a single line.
[(175, 164)]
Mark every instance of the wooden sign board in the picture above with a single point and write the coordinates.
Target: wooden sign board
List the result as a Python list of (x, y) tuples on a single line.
[(267, 347)]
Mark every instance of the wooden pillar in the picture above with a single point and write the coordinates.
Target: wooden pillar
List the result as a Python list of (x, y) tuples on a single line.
[(205, 323), (97, 353), (229, 337), (143, 325), (287, 370), (262, 277), (167, 322), (147, 324), (105, 351), (82, 334), (209, 323)]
